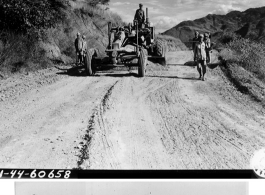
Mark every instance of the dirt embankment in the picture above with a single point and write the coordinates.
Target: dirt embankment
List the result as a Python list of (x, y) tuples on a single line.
[(166, 120), (245, 81)]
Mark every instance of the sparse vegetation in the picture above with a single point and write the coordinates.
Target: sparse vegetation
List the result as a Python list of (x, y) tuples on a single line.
[(244, 61), (246, 53), (25, 16), (228, 37), (96, 11), (96, 2), (26, 24)]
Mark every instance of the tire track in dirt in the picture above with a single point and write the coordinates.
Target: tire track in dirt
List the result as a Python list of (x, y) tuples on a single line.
[(98, 123), (128, 118), (207, 118), (48, 128), (167, 121)]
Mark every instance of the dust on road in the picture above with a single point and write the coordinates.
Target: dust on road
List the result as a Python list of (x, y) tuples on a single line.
[(166, 120)]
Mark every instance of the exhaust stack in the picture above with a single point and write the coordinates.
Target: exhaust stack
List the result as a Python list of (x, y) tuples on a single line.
[(109, 34), (147, 18)]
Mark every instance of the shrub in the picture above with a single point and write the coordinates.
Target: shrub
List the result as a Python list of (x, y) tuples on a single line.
[(97, 11), (248, 54), (21, 52), (25, 16), (96, 2), (228, 37)]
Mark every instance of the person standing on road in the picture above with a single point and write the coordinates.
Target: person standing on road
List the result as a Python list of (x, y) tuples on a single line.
[(207, 42), (200, 57), (195, 40), (140, 16), (84, 47), (78, 48)]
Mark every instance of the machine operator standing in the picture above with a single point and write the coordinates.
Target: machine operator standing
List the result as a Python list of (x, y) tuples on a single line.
[(140, 16)]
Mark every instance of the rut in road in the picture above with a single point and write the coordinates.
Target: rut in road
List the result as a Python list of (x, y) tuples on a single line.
[(96, 117), (161, 122)]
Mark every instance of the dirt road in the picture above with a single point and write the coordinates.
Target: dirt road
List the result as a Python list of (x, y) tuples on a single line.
[(167, 120)]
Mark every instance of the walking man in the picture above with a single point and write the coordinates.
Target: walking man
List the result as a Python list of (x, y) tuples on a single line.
[(195, 40), (200, 57), (140, 16), (78, 48), (207, 47), (84, 47)]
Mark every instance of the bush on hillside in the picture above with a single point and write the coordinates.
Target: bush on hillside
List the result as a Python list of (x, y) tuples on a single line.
[(25, 16), (21, 54), (96, 2), (248, 54), (228, 37), (98, 12)]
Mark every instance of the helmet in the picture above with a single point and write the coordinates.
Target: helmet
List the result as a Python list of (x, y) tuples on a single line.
[(78, 34), (206, 34), (196, 32), (201, 35), (83, 36)]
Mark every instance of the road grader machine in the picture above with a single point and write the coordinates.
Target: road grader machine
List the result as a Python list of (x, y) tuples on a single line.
[(129, 46)]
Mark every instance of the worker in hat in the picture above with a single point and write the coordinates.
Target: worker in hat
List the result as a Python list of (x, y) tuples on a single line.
[(140, 16), (195, 40), (200, 57), (208, 48), (119, 36), (84, 46), (78, 48)]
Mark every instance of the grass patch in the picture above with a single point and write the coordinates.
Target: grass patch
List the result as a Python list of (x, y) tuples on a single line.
[(246, 53), (244, 65)]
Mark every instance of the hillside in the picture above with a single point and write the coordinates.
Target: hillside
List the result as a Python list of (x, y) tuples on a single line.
[(22, 52), (249, 23)]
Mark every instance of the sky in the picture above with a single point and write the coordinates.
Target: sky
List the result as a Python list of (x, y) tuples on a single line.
[(166, 14)]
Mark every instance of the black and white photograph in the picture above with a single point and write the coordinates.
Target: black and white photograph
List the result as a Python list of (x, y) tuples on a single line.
[(132, 85)]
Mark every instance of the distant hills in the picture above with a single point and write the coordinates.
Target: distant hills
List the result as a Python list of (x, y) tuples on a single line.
[(249, 23)]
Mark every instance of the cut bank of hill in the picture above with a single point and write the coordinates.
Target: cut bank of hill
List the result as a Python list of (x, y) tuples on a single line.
[(21, 51)]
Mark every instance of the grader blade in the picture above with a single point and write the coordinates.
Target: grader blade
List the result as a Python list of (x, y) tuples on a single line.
[(110, 69)]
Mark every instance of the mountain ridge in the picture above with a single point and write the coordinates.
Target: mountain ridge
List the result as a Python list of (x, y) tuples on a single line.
[(249, 23)]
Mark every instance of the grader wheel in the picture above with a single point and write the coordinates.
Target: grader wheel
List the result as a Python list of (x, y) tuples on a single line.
[(160, 48), (142, 63), (88, 61)]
